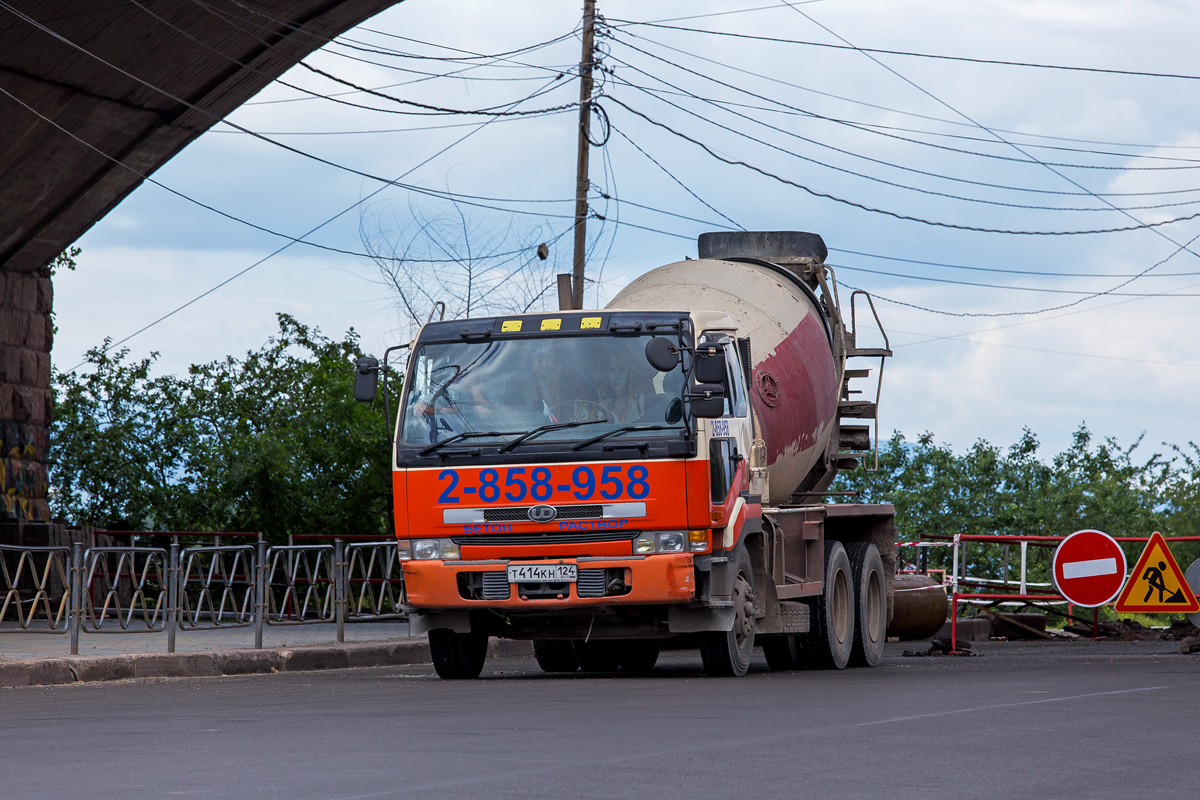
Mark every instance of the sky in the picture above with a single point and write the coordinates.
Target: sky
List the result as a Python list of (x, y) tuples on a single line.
[(961, 195)]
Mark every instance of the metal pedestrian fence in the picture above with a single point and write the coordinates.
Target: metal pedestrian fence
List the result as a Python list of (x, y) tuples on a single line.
[(28, 578), (155, 590)]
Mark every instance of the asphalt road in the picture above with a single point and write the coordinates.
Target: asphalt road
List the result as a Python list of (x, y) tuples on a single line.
[(1051, 720)]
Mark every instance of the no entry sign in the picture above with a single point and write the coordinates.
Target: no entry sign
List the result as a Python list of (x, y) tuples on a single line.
[(1089, 568)]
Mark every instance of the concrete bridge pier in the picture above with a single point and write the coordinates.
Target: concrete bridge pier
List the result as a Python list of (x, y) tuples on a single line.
[(26, 406)]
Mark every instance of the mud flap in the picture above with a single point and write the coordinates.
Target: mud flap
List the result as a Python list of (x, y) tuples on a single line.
[(693, 619), (421, 622)]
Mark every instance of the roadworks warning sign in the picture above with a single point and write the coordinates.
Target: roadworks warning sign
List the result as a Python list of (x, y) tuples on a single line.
[(1156, 583)]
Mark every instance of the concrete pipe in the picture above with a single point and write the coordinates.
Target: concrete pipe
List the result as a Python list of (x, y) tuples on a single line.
[(921, 607)]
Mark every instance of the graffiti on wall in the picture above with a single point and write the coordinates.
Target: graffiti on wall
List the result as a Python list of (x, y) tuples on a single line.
[(22, 485)]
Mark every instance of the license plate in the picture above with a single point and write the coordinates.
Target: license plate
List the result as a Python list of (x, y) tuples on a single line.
[(541, 573)]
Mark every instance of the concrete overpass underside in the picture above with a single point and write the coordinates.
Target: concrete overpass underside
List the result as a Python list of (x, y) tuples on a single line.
[(94, 96)]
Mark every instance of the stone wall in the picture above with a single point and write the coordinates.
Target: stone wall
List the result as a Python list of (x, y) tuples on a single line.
[(26, 405)]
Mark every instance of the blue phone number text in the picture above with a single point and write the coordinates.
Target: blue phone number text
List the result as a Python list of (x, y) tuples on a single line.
[(537, 483)]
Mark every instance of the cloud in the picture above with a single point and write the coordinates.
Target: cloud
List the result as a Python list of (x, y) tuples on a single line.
[(157, 251)]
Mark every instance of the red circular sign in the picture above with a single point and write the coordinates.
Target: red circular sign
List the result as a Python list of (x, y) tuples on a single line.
[(1089, 568)]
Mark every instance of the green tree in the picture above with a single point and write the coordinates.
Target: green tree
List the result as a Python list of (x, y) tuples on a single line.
[(271, 442), (989, 490)]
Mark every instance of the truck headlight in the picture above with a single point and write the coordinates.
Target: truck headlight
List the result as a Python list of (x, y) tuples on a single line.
[(670, 542), (404, 549), (426, 549), (660, 542), (698, 541)]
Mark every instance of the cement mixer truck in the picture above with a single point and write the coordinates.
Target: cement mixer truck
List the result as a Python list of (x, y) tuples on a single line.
[(604, 481)]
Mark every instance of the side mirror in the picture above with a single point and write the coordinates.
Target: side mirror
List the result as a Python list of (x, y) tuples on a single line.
[(366, 379), (707, 401), (661, 354), (710, 368)]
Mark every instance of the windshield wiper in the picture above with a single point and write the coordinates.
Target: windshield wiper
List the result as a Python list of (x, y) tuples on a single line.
[(458, 437), (625, 429), (552, 426)]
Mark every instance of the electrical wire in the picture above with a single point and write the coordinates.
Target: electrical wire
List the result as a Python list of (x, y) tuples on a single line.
[(279, 250), (1040, 289), (963, 340), (1039, 273), (1192, 163), (884, 181), (337, 40), (1152, 228), (681, 184), (465, 198), (1072, 304), (427, 108), (894, 214), (898, 111), (618, 23)]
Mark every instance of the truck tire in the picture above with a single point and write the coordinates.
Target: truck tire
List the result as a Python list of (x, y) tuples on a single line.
[(830, 637), (457, 656), (870, 605), (727, 653), (638, 655), (598, 656), (783, 652), (555, 655)]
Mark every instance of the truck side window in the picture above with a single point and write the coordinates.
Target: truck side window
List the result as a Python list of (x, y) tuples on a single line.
[(722, 467), (721, 340), (737, 383)]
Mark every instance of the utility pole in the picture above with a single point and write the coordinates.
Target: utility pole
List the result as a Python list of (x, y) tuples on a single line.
[(582, 184)]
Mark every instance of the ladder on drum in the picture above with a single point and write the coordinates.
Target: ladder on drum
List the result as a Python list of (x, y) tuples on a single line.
[(857, 441)]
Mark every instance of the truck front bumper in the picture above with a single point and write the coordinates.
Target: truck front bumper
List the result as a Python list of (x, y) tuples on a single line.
[(660, 578)]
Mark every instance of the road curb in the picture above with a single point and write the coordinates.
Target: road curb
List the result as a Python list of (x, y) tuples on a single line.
[(92, 669)]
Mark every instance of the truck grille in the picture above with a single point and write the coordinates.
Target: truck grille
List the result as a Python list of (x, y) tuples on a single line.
[(549, 537), (521, 513), (496, 586), (590, 583)]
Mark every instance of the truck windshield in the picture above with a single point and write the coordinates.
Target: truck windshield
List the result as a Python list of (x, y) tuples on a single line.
[(516, 386)]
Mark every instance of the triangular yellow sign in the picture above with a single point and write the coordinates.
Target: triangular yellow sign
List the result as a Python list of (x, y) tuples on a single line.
[(1157, 584)]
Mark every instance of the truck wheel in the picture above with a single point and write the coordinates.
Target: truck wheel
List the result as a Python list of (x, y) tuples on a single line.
[(727, 653), (831, 615), (555, 655), (457, 656), (783, 652), (638, 655), (598, 656), (870, 606)]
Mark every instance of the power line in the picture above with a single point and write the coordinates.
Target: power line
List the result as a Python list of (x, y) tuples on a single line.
[(876, 179), (830, 46), (279, 250), (814, 115), (963, 340), (467, 199), (1040, 273), (426, 107), (890, 110), (340, 39), (1040, 289), (1153, 228), (681, 184), (878, 130), (885, 212), (1073, 303)]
